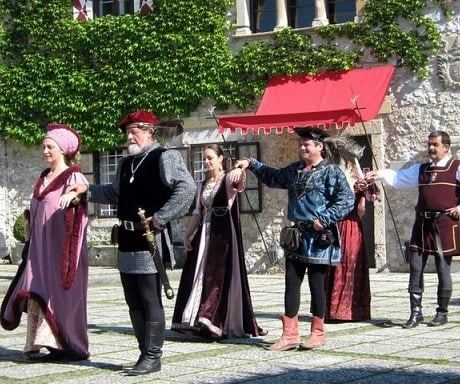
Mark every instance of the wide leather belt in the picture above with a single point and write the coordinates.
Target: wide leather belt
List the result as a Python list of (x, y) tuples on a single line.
[(131, 226), (304, 225), (432, 214)]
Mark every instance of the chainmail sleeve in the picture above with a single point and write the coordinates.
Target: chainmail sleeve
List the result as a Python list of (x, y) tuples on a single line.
[(174, 174)]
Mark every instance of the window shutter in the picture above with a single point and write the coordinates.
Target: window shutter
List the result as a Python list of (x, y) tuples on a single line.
[(145, 6), (82, 10)]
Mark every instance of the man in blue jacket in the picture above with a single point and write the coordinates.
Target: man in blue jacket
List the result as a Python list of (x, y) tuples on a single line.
[(318, 197)]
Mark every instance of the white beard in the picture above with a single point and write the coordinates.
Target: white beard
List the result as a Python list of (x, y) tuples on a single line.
[(134, 149)]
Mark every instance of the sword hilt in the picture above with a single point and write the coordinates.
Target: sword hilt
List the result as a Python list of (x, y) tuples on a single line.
[(148, 232)]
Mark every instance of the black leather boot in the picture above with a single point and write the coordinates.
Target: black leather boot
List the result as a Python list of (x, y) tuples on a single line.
[(415, 311), (149, 361), (441, 312), (138, 323), (439, 319)]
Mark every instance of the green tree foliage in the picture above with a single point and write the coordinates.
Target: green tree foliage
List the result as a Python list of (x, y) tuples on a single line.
[(90, 74)]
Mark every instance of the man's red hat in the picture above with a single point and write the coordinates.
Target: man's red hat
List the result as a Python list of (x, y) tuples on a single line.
[(137, 118)]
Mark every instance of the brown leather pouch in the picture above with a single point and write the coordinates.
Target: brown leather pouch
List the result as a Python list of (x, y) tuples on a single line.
[(290, 238)]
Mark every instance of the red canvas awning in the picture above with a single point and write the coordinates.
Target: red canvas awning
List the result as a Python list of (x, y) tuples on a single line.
[(328, 98)]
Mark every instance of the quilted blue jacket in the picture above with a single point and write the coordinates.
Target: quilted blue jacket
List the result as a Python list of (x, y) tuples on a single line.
[(322, 193)]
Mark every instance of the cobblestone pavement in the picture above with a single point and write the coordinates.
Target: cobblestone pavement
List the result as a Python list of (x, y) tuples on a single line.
[(376, 351)]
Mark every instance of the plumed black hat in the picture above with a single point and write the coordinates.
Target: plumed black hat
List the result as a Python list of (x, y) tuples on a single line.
[(310, 132)]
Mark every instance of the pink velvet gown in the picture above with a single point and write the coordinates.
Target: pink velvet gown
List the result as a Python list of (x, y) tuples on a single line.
[(51, 285)]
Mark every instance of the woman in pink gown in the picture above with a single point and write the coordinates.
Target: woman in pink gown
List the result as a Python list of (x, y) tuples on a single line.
[(51, 282)]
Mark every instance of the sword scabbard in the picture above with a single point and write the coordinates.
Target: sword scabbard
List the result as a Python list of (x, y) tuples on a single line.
[(150, 237)]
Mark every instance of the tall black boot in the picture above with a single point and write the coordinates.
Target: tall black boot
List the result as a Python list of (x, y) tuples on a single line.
[(149, 361), (415, 311), (441, 312), (138, 323)]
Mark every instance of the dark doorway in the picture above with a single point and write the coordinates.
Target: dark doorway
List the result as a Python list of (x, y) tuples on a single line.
[(368, 220)]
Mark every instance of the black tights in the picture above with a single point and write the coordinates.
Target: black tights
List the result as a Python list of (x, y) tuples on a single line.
[(143, 293), (295, 273), (417, 266)]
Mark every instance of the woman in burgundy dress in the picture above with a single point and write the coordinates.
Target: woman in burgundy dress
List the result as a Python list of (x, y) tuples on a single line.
[(213, 299), (348, 289), (348, 295)]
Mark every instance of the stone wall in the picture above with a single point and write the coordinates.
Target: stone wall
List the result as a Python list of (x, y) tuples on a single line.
[(419, 107), (20, 167)]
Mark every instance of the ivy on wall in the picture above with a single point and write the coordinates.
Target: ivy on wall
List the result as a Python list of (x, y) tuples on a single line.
[(90, 74)]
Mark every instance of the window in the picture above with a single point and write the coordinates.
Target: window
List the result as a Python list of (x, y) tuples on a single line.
[(341, 11), (263, 15), (300, 13), (251, 198), (84, 9), (104, 172), (113, 7)]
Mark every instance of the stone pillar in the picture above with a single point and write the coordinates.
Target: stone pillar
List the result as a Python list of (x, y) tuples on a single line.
[(320, 14), (359, 7), (281, 14), (243, 20), (382, 261)]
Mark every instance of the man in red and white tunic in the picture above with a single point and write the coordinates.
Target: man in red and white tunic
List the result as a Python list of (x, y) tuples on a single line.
[(436, 230)]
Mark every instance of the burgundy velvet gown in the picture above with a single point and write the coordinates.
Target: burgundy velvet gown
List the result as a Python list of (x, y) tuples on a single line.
[(348, 295), (213, 299)]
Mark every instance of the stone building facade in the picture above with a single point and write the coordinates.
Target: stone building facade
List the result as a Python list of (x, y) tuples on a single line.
[(397, 135)]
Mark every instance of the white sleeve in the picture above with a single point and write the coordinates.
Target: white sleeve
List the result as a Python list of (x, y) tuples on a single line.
[(404, 178)]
